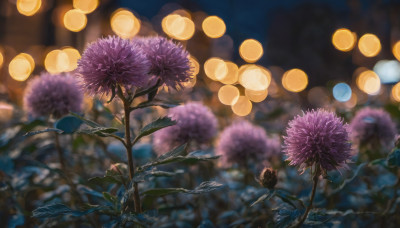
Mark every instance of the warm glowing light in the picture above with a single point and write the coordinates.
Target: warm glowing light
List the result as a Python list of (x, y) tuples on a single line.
[(214, 27), (232, 74), (344, 40), (369, 45), (86, 6), (251, 50), (6, 111), (20, 68), (254, 77), (242, 107), (73, 57), (295, 80), (75, 20), (28, 7), (396, 92), (352, 102), (388, 71), (256, 96), (178, 27), (195, 65), (1, 59), (56, 61), (215, 68), (396, 50), (191, 83), (369, 82), (228, 94), (125, 24)]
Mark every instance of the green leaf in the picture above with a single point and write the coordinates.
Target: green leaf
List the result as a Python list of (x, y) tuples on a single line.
[(68, 124), (105, 180), (31, 133), (100, 131), (155, 126), (266, 196), (204, 187), (142, 176), (347, 181), (107, 196), (393, 158), (86, 121), (58, 209)]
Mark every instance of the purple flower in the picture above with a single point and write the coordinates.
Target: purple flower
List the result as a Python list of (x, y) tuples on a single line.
[(373, 126), (195, 123), (55, 95), (243, 142), (169, 61), (113, 61), (318, 137)]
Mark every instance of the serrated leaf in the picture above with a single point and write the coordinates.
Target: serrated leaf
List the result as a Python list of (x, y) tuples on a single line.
[(86, 121), (100, 131), (31, 133), (58, 209), (155, 126), (347, 181), (107, 196), (104, 180), (393, 158), (142, 176), (68, 124), (266, 196), (204, 187), (285, 217)]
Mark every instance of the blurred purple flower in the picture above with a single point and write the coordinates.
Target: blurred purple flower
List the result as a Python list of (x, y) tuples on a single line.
[(195, 122), (243, 142), (55, 95), (317, 137), (169, 61), (373, 126), (113, 61)]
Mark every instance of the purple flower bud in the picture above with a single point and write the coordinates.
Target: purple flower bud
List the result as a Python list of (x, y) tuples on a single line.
[(55, 95), (317, 137), (195, 123), (113, 61), (268, 178)]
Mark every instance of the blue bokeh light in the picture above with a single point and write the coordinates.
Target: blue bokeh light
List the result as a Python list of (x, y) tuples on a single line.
[(342, 92)]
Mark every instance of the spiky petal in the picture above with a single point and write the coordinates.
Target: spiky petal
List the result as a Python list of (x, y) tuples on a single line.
[(317, 137), (54, 95), (113, 61)]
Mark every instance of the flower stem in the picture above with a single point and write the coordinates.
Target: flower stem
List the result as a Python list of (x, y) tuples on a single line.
[(128, 146), (314, 188)]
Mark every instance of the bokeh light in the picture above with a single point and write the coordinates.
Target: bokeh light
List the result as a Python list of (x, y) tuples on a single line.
[(388, 70), (195, 65), (228, 94), (6, 111), (124, 23), (254, 77), (242, 107), (342, 92), (86, 6), (214, 27), (396, 50), (21, 67), (56, 61), (232, 75), (343, 39), (28, 7), (251, 50), (256, 96), (178, 27), (368, 82), (396, 92), (75, 20), (1, 58), (215, 68), (73, 57), (295, 80), (369, 45)]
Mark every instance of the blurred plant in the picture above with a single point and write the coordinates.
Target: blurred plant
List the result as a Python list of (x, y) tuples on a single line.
[(373, 132)]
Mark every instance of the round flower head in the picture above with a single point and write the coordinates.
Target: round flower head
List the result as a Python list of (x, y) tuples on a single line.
[(169, 61), (113, 61), (54, 95), (243, 142), (195, 123), (317, 137), (373, 126)]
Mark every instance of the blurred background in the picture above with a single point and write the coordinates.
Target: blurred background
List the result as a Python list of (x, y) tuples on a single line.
[(247, 55)]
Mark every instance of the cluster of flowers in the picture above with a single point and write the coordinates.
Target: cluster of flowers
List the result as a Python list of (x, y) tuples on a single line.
[(106, 64)]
